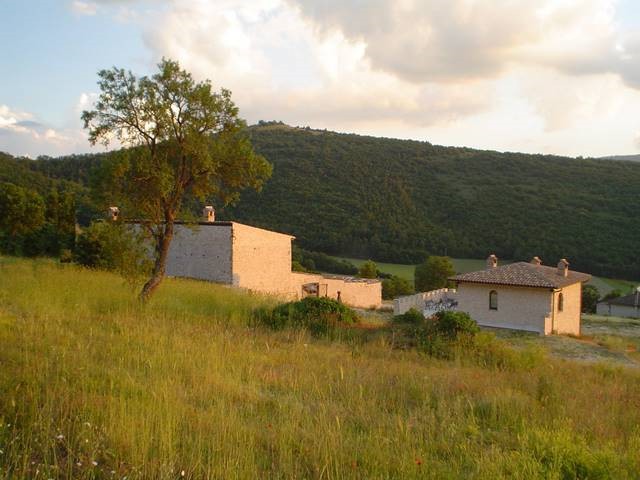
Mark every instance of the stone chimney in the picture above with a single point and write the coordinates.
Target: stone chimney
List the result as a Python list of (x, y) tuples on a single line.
[(114, 213), (563, 268), (492, 261), (209, 214), (536, 261)]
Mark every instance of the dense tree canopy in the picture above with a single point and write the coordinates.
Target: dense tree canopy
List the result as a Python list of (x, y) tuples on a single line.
[(433, 273), (400, 201)]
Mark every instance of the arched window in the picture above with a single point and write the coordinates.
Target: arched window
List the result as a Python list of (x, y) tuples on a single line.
[(493, 300), (560, 302)]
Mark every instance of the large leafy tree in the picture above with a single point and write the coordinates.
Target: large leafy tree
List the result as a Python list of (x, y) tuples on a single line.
[(185, 141)]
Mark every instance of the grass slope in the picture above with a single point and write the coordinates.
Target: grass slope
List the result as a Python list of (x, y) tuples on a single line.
[(94, 386)]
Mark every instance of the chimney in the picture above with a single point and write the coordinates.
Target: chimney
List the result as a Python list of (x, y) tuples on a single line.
[(637, 297), (563, 268), (114, 213), (536, 261), (209, 214), (492, 261)]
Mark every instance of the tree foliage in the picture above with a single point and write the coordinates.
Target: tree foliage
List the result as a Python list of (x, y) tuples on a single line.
[(433, 273), (590, 296), (368, 270), (21, 210), (183, 141), (395, 286), (115, 247)]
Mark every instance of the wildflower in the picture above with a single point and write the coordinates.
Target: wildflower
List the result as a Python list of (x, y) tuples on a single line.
[(418, 461), (182, 473), (79, 464), (94, 463), (60, 437)]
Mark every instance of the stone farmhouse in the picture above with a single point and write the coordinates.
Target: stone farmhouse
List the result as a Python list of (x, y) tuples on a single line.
[(627, 306), (258, 260), (523, 296)]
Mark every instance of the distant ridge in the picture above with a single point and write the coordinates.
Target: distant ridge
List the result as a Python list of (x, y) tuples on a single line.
[(625, 158), (397, 201)]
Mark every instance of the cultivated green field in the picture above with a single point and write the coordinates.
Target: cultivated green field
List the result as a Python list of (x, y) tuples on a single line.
[(92, 385), (463, 265)]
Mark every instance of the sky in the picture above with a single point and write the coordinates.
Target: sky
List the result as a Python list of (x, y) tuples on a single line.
[(545, 76)]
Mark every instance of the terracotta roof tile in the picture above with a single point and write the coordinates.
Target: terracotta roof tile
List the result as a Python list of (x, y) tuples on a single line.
[(523, 274)]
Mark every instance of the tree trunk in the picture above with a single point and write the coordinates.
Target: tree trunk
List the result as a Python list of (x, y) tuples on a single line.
[(157, 274)]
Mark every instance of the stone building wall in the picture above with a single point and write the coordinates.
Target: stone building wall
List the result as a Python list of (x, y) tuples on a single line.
[(618, 310), (567, 321), (258, 260), (202, 252), (261, 260), (519, 308)]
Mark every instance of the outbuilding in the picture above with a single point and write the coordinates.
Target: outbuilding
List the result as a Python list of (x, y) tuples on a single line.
[(627, 306), (523, 296)]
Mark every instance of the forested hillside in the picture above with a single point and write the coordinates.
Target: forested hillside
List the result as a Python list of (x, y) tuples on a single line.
[(397, 200)]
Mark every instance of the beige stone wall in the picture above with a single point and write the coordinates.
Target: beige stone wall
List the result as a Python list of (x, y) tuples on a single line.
[(404, 304), (257, 260), (519, 308), (202, 252), (355, 293), (261, 260), (567, 321)]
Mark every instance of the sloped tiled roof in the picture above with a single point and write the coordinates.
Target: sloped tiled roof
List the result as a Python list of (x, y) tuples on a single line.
[(627, 300), (523, 274)]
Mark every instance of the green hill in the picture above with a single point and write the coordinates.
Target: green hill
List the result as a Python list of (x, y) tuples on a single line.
[(398, 200)]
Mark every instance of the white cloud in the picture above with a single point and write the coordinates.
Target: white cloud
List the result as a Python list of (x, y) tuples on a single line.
[(23, 134), (426, 41), (84, 8), (553, 76)]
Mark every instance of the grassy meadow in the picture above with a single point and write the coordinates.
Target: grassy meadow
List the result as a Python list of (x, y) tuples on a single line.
[(93, 386), (464, 265)]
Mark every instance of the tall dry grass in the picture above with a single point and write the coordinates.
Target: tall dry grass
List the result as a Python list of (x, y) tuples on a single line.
[(92, 385)]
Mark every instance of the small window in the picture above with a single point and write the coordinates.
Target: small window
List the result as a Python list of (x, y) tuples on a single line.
[(493, 300), (560, 302)]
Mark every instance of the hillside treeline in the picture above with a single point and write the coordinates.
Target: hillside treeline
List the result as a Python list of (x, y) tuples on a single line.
[(399, 201)]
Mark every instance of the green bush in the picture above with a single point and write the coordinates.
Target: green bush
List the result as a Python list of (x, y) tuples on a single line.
[(412, 317), (395, 286), (115, 247), (320, 315), (450, 324)]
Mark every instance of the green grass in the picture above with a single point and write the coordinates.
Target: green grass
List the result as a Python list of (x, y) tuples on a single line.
[(464, 265), (186, 384)]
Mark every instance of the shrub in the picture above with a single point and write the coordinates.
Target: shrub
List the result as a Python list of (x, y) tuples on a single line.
[(433, 273), (412, 317), (368, 270), (114, 247), (590, 297), (66, 255), (320, 315), (395, 286), (450, 324)]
